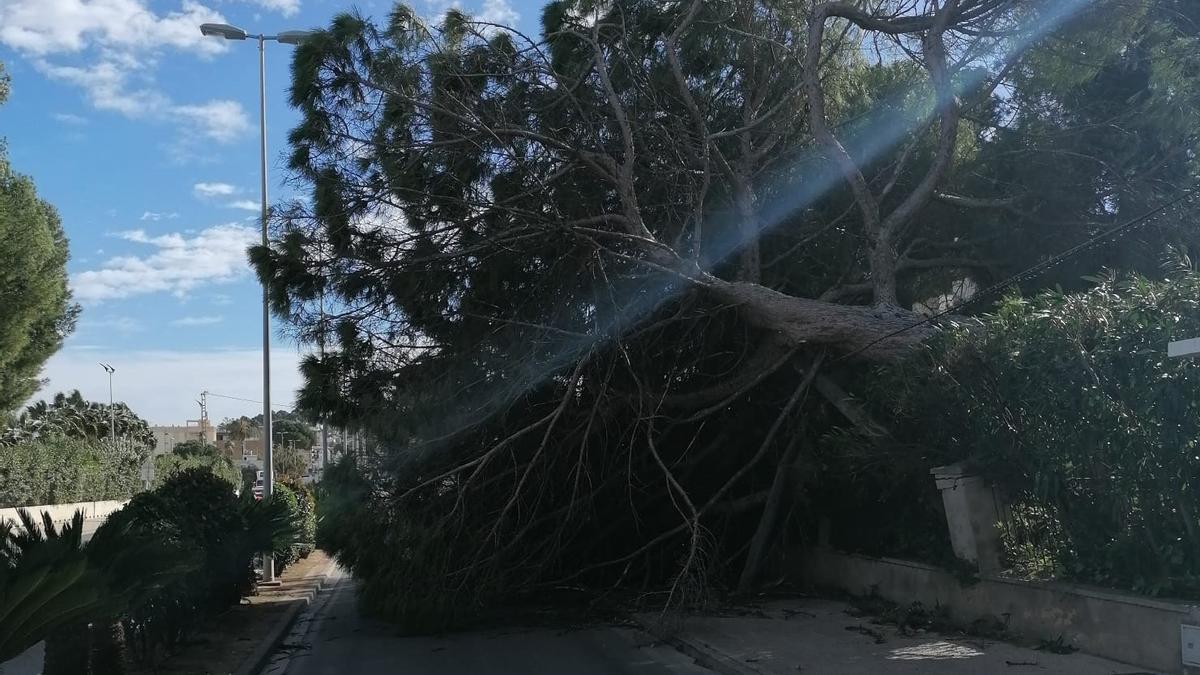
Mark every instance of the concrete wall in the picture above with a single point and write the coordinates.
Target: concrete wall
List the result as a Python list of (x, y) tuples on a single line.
[(62, 513), (1137, 630)]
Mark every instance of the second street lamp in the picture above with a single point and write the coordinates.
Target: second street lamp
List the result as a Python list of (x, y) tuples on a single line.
[(112, 411), (291, 37)]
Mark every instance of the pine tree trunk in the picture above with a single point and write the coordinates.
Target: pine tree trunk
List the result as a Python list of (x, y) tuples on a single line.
[(877, 333), (67, 650), (108, 647), (762, 539)]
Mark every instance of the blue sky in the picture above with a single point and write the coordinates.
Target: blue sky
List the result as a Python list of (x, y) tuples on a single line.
[(144, 135)]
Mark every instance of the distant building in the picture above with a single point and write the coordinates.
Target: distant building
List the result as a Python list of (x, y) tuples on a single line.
[(250, 454), (167, 437)]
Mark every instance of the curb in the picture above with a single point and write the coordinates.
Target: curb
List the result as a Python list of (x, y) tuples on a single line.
[(704, 654), (261, 655)]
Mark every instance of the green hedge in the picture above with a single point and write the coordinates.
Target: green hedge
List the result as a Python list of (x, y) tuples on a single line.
[(306, 500), (298, 502), (62, 470), (286, 496), (168, 466), (1069, 403)]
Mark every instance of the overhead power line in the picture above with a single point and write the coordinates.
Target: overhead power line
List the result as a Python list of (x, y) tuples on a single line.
[(1112, 234), (234, 398)]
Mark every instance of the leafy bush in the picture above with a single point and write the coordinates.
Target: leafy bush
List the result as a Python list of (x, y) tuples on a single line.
[(297, 502), (1069, 403), (154, 569), (168, 466), (60, 470), (199, 510), (194, 448)]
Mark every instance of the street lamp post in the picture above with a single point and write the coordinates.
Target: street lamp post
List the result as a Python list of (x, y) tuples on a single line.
[(291, 37), (112, 411)]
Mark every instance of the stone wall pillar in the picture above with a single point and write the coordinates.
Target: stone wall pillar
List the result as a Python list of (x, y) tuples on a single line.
[(971, 515)]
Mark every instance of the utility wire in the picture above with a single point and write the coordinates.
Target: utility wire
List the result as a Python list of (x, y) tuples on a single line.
[(247, 400), (235, 398), (1111, 234)]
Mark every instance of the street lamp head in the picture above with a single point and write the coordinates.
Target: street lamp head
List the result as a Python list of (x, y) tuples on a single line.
[(107, 368), (294, 37), (222, 30)]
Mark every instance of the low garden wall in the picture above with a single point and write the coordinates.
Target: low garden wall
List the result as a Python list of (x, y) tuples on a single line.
[(62, 513), (1137, 630)]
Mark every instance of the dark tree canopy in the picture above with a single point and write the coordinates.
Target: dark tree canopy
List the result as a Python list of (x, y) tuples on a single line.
[(195, 448), (293, 432), (37, 313), (580, 284)]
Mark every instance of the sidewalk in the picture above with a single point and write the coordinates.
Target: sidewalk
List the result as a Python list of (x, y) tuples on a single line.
[(811, 635), (240, 641)]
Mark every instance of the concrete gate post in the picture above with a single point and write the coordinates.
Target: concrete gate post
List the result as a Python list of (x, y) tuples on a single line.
[(971, 515)]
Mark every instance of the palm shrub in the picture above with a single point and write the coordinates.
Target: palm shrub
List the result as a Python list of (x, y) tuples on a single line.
[(271, 525), (46, 582), (52, 585), (145, 557), (72, 416)]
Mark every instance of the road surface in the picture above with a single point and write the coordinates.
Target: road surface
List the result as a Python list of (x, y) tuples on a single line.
[(331, 638)]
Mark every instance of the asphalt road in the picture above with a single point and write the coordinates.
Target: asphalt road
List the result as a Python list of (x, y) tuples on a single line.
[(332, 638)]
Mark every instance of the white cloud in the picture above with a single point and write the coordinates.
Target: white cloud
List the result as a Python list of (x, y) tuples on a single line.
[(68, 118), (178, 264), (44, 27), (221, 120), (499, 12), (154, 215), (197, 321), (163, 385), (213, 189), (491, 11), (107, 86), (284, 7), (109, 48), (245, 205)]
